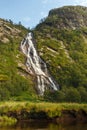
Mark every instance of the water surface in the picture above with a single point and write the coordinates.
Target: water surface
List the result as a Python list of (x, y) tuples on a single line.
[(44, 126)]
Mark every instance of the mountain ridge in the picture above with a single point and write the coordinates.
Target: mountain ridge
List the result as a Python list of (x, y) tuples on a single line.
[(68, 17), (62, 46)]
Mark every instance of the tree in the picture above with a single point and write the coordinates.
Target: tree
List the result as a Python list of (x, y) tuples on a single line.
[(4, 93), (60, 96), (19, 23), (54, 96), (10, 21), (72, 95), (83, 94)]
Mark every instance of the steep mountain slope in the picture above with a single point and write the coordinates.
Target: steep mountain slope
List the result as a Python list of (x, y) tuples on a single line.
[(62, 42), (14, 78)]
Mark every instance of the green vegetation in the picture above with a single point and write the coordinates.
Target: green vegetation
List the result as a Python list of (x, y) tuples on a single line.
[(29, 110), (65, 54), (7, 121), (15, 82), (67, 95), (61, 40), (62, 44)]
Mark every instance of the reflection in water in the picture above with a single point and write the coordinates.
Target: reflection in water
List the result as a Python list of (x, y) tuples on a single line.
[(44, 126)]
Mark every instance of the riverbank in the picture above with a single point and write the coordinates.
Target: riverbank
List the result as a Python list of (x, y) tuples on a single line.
[(58, 112)]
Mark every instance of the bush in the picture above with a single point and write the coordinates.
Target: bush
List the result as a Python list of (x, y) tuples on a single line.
[(67, 95), (83, 94), (55, 96), (72, 95), (4, 94)]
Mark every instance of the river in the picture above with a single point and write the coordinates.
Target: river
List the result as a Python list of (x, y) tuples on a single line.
[(44, 126)]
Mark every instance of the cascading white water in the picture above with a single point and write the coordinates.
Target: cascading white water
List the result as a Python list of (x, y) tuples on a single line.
[(36, 65)]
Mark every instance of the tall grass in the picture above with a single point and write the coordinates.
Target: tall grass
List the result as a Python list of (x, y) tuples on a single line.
[(50, 109)]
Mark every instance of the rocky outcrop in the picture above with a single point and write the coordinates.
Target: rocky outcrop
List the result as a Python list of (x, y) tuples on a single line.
[(69, 17), (8, 31)]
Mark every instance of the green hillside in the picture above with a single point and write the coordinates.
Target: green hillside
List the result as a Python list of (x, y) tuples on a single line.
[(62, 43), (14, 78)]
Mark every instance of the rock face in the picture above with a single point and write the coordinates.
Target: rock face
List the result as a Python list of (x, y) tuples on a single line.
[(69, 17), (36, 65), (8, 30)]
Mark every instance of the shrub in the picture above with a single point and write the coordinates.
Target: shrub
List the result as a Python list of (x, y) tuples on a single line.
[(83, 94), (72, 95)]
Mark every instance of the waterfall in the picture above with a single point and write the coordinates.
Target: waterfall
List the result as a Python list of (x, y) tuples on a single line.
[(36, 65)]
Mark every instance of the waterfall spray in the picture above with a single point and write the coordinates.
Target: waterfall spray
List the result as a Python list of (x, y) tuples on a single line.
[(33, 64)]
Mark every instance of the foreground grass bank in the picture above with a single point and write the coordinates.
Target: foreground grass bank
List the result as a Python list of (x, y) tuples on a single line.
[(49, 111)]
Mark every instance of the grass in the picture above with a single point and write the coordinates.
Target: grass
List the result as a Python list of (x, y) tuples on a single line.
[(51, 110), (7, 121)]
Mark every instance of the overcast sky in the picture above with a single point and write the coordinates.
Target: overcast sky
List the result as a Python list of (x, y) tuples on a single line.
[(29, 12)]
